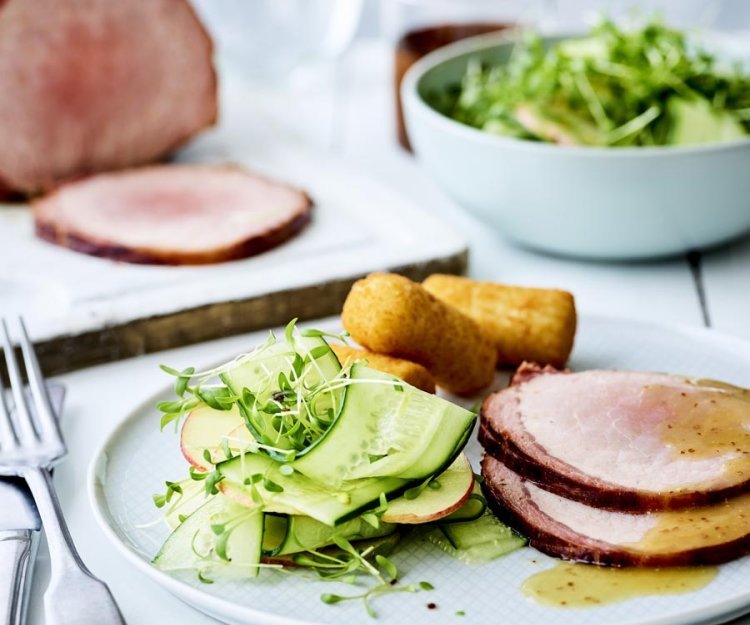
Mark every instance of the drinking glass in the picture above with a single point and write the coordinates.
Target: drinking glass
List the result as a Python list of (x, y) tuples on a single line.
[(270, 39), (417, 27)]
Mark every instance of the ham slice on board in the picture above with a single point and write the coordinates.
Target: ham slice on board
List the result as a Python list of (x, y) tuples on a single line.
[(98, 85), (172, 214), (622, 440), (572, 530)]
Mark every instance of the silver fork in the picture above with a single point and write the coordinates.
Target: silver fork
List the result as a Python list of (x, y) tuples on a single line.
[(29, 448)]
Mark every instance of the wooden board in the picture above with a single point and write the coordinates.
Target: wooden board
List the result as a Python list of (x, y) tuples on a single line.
[(83, 310)]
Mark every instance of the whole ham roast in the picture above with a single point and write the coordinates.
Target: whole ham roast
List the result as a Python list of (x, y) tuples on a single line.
[(97, 85)]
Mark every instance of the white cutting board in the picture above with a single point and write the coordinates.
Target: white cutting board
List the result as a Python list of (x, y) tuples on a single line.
[(76, 303)]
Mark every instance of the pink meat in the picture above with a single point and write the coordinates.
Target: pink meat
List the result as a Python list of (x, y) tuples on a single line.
[(172, 214), (572, 530), (98, 85), (598, 437)]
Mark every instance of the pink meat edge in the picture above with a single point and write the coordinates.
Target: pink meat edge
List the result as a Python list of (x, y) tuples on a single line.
[(561, 478), (555, 539), (260, 242)]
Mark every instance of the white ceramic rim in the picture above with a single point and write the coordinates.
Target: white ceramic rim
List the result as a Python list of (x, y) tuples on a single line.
[(410, 96), (222, 608)]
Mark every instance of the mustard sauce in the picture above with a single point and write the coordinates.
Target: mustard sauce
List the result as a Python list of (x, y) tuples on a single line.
[(710, 420), (697, 527), (569, 585)]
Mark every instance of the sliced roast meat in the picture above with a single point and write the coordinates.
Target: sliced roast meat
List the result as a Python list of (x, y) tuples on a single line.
[(97, 85), (572, 530), (622, 440), (172, 214)]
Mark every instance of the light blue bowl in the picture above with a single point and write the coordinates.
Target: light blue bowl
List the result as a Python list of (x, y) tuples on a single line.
[(604, 203)]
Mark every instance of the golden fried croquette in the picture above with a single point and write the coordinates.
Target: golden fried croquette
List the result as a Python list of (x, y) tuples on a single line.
[(390, 314), (409, 372), (525, 324)]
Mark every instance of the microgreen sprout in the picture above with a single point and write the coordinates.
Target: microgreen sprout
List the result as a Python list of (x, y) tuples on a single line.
[(416, 491), (618, 86), (212, 479), (173, 488), (368, 596), (196, 475), (291, 405)]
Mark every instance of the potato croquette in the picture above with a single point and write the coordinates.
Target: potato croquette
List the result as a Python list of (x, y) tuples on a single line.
[(536, 325), (390, 314), (409, 372)]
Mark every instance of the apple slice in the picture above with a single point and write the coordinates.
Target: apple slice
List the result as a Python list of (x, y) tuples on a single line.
[(456, 484), (206, 428)]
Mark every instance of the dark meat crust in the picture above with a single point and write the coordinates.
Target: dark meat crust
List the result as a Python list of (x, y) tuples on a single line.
[(257, 243), (555, 539), (6, 193), (567, 481)]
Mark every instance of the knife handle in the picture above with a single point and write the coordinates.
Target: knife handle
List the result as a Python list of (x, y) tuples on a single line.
[(16, 550)]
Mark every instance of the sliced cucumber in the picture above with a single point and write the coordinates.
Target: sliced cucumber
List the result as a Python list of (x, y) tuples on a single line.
[(275, 528), (300, 493), (474, 507), (240, 494), (386, 428), (305, 364), (220, 539), (193, 497), (262, 371), (305, 534), (478, 541), (372, 547)]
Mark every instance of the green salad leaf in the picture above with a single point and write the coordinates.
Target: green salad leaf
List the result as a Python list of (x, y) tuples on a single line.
[(646, 86)]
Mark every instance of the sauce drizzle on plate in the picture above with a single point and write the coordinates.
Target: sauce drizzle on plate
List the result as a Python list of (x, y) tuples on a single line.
[(571, 585)]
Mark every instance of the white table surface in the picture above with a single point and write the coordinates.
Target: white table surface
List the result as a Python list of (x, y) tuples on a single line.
[(355, 120)]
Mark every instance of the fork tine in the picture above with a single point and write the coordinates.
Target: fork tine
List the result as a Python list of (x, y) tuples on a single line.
[(24, 426), (47, 423), (8, 438)]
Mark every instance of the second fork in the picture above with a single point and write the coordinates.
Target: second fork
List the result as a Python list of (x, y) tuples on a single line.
[(28, 449)]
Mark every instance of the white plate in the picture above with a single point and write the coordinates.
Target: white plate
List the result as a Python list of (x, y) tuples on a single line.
[(136, 459)]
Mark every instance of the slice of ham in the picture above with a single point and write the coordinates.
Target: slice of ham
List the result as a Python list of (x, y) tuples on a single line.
[(98, 85), (622, 440), (172, 214), (574, 531)]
